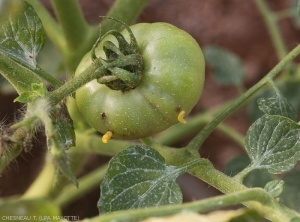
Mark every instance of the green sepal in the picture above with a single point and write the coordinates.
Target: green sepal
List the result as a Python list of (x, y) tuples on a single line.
[(37, 90), (121, 69)]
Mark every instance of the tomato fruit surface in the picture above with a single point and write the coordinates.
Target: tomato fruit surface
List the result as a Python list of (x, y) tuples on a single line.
[(172, 81)]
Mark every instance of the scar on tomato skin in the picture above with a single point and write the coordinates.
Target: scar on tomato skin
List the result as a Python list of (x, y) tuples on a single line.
[(181, 117), (106, 136), (177, 109), (103, 115)]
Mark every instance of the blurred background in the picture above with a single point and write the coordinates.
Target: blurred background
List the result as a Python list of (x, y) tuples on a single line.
[(237, 26)]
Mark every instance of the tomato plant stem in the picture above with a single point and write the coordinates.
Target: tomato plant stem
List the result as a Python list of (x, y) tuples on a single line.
[(124, 10), (92, 72), (282, 14), (78, 34), (72, 21), (70, 193), (50, 79), (270, 21), (255, 194), (91, 143), (43, 184), (199, 139)]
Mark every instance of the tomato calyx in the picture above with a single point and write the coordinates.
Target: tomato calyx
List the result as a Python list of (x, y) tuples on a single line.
[(123, 64)]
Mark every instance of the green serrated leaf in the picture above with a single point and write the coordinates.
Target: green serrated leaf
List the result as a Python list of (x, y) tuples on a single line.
[(138, 177), (291, 193), (22, 35), (227, 67), (277, 105), (290, 90), (61, 164), (62, 138), (275, 187), (64, 127), (66, 134), (272, 143)]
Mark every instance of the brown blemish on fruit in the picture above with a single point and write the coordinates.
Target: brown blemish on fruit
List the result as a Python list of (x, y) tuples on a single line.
[(178, 109), (103, 115)]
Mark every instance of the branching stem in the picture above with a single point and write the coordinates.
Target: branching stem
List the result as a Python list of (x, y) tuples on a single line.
[(199, 139)]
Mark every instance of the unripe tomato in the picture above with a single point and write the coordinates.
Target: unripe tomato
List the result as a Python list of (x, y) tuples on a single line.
[(171, 84)]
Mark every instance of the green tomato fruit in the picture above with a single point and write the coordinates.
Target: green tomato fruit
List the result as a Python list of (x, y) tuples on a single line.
[(170, 86)]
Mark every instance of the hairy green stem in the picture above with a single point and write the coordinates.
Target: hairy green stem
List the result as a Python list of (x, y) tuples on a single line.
[(22, 132), (199, 139), (72, 21), (9, 155), (78, 35), (272, 27), (267, 207), (46, 76), (255, 194), (95, 71), (70, 193), (241, 175)]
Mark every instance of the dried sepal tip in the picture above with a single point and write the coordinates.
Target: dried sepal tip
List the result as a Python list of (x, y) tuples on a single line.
[(106, 136), (181, 116)]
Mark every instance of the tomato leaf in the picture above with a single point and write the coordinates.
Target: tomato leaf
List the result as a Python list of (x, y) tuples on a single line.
[(61, 165), (61, 139), (272, 143), (64, 126), (138, 177), (22, 35), (291, 91), (277, 105), (227, 67), (275, 187), (291, 194)]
